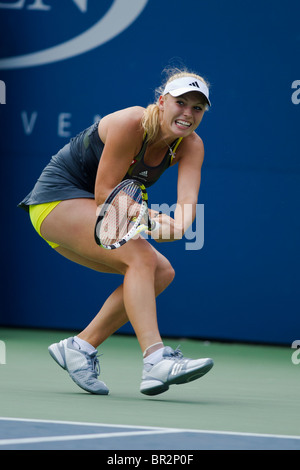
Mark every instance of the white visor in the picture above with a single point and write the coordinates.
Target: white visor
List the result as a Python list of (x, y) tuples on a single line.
[(183, 85)]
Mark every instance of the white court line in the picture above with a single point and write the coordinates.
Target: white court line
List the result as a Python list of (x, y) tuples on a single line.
[(147, 430), (79, 423), (77, 437)]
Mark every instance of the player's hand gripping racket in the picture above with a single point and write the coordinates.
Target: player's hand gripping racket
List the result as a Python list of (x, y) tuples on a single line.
[(124, 215)]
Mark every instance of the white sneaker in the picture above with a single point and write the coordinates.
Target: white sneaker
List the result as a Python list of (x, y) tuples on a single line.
[(173, 368), (83, 367)]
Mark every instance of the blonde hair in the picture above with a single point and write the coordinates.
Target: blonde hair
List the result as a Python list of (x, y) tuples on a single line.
[(150, 120)]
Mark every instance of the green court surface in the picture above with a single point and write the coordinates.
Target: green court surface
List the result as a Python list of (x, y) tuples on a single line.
[(251, 388)]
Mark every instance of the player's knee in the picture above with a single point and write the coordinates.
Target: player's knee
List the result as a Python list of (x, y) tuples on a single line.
[(149, 261), (166, 273), (144, 258), (171, 273)]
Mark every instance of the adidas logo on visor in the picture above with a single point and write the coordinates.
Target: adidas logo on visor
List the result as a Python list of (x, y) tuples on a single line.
[(184, 85)]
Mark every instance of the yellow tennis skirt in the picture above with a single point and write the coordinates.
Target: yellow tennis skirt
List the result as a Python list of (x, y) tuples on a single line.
[(38, 213)]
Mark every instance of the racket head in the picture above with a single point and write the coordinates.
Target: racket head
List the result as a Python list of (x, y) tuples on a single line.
[(121, 215)]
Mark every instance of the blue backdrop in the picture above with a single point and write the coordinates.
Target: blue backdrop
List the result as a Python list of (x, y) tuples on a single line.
[(63, 64)]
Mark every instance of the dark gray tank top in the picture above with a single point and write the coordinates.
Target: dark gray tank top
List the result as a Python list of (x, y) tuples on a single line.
[(71, 173)]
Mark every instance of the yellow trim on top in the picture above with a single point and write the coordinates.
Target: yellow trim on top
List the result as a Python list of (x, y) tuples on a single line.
[(177, 143)]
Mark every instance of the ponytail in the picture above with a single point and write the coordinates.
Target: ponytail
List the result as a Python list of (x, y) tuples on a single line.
[(150, 122)]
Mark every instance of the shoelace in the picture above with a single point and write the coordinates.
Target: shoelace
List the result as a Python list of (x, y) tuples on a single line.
[(176, 353), (95, 363)]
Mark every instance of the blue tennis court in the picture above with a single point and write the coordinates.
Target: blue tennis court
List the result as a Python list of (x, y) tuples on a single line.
[(26, 434)]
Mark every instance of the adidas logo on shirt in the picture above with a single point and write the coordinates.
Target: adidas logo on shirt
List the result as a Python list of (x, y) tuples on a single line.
[(144, 173)]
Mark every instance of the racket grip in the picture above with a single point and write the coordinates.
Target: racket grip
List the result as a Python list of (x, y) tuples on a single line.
[(155, 227)]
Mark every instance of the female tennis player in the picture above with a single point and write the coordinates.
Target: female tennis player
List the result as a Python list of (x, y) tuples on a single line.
[(133, 143)]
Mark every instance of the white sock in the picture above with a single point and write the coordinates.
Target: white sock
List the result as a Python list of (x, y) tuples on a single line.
[(84, 345), (154, 357)]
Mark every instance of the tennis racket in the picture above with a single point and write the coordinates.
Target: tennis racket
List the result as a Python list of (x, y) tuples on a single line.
[(124, 215)]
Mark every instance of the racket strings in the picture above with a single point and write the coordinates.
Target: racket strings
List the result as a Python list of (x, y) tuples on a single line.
[(123, 210)]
